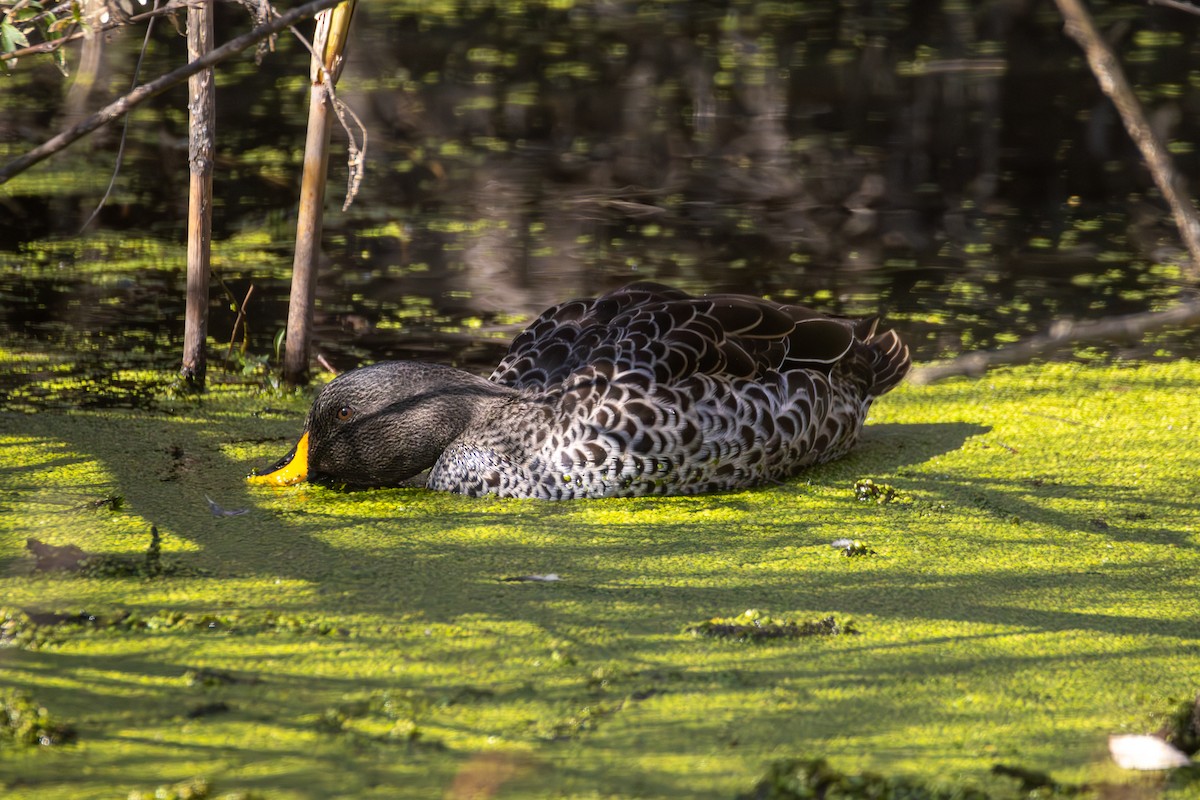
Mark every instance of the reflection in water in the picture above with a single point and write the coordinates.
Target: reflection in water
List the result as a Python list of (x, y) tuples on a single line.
[(954, 169)]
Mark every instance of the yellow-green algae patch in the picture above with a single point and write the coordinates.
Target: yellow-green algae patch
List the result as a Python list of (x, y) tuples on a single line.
[(1034, 591)]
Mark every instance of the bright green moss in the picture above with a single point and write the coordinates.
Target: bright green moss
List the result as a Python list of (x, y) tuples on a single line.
[(1033, 593), (26, 723)]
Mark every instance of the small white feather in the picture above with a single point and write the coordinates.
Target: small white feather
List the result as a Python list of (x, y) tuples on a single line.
[(1139, 751), (547, 578)]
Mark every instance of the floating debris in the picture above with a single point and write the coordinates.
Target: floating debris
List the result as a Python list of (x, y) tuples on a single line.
[(30, 629), (270, 411), (57, 558), (868, 491), (1182, 727), (52, 618), (585, 720), (852, 547), (113, 502), (26, 723), (194, 789), (209, 678), (1145, 752), (404, 711), (16, 630), (804, 779), (1034, 782), (753, 625), (549, 577), (484, 773), (207, 710), (179, 463), (218, 511)]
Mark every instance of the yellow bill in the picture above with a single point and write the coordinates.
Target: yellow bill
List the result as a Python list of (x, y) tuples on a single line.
[(289, 470)]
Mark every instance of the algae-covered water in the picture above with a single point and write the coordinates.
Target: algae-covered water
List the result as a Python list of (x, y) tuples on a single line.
[(1026, 588), (1004, 573)]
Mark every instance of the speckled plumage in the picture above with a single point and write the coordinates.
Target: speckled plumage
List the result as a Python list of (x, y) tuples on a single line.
[(643, 391)]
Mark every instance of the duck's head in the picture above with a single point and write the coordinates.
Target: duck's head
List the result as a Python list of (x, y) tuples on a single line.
[(379, 425)]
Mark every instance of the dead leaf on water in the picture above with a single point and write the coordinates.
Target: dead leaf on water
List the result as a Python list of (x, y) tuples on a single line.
[(483, 775)]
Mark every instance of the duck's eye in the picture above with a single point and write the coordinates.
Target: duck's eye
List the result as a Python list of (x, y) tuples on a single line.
[(344, 413)]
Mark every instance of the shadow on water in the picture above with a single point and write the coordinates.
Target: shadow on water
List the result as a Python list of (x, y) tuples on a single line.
[(166, 483), (418, 557)]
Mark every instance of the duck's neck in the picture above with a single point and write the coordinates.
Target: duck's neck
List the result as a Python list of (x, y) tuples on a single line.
[(451, 401), (495, 441)]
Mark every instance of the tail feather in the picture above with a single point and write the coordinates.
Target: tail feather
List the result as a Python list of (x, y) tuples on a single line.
[(864, 329), (891, 361)]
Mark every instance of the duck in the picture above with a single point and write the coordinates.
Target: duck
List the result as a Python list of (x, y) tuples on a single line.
[(644, 390)]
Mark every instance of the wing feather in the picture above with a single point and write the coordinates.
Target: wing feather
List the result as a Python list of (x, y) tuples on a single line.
[(669, 335)]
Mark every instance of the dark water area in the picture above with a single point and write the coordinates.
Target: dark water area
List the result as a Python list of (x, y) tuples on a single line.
[(951, 166)]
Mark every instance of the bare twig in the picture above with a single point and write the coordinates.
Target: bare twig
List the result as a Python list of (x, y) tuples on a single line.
[(324, 362), (1177, 5), (262, 11), (328, 46), (239, 320), (1113, 83), (112, 181), (984, 66), (356, 155), (1064, 333), (126, 103)]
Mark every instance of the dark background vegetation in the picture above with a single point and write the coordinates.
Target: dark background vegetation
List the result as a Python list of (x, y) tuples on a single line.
[(950, 164)]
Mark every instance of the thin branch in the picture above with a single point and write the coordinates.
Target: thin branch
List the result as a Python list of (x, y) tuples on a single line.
[(324, 362), (239, 320), (1112, 80), (137, 70), (1113, 83), (356, 155), (1062, 334), (123, 105), (46, 12), (54, 44), (1177, 5)]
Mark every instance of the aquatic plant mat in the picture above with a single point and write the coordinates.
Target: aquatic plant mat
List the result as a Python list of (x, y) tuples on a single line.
[(1024, 581)]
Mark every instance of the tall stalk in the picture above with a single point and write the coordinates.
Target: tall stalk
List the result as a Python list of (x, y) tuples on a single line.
[(201, 122), (329, 43)]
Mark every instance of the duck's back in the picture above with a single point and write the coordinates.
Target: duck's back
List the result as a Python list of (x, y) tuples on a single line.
[(648, 390)]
